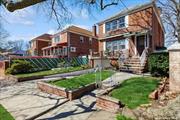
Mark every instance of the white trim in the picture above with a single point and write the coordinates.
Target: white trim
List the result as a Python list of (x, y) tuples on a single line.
[(104, 46), (126, 21), (104, 28), (127, 43)]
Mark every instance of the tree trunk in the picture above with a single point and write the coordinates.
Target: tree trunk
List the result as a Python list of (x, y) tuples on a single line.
[(178, 22)]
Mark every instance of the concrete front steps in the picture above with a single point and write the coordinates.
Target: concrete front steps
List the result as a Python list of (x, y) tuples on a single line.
[(133, 65)]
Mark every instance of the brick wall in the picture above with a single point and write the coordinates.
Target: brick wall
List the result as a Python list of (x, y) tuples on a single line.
[(108, 103), (71, 95), (40, 45), (136, 21), (82, 48)]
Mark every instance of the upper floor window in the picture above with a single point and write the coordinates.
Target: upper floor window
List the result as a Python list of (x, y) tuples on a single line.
[(108, 26), (114, 24), (90, 40), (81, 39), (56, 39), (121, 22)]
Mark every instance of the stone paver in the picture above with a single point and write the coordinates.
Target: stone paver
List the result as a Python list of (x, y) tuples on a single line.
[(80, 109), (24, 100)]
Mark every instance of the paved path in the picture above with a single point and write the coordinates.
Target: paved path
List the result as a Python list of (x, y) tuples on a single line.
[(118, 78), (24, 101)]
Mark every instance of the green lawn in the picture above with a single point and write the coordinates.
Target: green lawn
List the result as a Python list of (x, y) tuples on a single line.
[(134, 92), (80, 81), (122, 117), (4, 114), (49, 72)]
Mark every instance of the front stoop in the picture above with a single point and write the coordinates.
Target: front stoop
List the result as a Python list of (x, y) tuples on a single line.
[(133, 65)]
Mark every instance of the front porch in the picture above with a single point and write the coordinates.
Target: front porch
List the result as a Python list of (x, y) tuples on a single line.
[(59, 50)]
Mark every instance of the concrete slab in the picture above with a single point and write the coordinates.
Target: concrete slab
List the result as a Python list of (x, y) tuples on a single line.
[(24, 101)]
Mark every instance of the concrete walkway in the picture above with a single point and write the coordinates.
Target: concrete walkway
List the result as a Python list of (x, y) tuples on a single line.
[(23, 100)]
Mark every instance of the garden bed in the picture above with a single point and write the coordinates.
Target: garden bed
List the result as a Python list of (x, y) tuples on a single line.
[(72, 88), (41, 74), (4, 114), (131, 93)]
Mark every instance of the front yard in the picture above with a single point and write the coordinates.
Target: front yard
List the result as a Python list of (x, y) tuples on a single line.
[(134, 92), (4, 114), (49, 72), (80, 81)]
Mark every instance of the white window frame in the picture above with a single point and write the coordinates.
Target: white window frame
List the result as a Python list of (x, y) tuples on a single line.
[(81, 39), (73, 49)]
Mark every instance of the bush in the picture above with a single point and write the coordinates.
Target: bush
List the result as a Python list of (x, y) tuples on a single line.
[(20, 66), (158, 64)]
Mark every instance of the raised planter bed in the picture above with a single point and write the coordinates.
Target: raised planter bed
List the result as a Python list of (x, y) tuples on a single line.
[(107, 103), (72, 88), (69, 94)]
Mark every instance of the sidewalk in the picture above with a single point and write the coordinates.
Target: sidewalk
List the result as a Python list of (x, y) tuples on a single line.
[(23, 100)]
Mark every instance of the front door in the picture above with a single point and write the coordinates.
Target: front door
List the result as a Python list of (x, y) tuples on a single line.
[(140, 44)]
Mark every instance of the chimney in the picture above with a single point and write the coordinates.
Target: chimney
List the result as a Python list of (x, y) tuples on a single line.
[(94, 32)]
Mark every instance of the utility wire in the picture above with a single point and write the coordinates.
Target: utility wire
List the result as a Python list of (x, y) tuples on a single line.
[(124, 4)]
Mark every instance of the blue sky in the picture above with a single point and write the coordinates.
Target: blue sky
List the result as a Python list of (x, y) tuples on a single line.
[(27, 23)]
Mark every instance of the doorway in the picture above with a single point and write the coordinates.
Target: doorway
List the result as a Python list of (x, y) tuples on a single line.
[(140, 44)]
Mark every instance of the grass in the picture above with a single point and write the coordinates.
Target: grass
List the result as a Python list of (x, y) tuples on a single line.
[(135, 91), (122, 117), (4, 114), (49, 72), (80, 81)]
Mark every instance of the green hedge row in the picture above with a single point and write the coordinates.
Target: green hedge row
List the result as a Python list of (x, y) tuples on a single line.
[(158, 64)]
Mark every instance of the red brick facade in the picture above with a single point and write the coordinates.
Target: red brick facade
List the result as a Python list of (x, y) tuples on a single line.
[(144, 20)]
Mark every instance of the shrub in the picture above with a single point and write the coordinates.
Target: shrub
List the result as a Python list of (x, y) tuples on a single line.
[(85, 66), (158, 64), (19, 66)]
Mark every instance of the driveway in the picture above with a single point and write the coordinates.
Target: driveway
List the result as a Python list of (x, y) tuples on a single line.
[(24, 101)]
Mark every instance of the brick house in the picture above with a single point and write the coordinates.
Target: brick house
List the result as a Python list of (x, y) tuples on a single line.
[(132, 34), (38, 43), (133, 29), (79, 41)]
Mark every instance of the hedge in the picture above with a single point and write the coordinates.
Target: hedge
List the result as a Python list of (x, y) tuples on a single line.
[(158, 64)]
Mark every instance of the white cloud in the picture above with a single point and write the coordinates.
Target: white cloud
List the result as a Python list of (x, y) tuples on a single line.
[(22, 37), (52, 31), (83, 14), (23, 16)]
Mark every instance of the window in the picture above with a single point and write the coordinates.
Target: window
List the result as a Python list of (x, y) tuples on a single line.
[(73, 49), (56, 39), (114, 24), (81, 39), (116, 45), (90, 40), (108, 26), (121, 22)]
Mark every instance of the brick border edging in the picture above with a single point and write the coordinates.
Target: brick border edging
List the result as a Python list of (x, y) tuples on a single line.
[(69, 94), (108, 103)]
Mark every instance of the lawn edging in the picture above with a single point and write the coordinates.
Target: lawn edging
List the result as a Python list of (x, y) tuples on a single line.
[(22, 79), (60, 91), (108, 103)]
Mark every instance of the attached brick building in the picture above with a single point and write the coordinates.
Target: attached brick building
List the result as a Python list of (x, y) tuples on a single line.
[(79, 41), (38, 43), (132, 30)]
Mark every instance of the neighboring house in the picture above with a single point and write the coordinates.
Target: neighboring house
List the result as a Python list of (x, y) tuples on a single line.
[(133, 32), (38, 43), (134, 29), (79, 41)]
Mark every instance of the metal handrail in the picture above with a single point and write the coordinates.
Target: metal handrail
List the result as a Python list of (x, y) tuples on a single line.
[(143, 56)]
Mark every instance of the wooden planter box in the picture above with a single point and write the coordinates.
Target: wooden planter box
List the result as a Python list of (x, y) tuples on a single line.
[(69, 94)]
